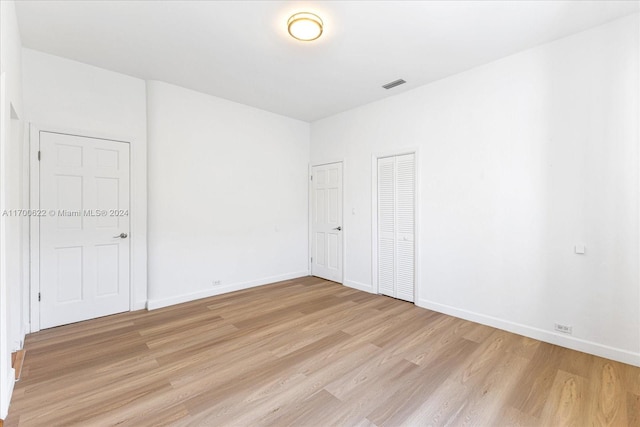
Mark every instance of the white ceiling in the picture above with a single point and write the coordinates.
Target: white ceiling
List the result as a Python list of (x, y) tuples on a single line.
[(240, 50)]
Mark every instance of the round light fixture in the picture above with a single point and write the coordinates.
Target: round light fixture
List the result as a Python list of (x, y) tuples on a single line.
[(305, 26)]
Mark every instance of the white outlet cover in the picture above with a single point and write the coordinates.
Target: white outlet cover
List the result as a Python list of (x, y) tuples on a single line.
[(580, 249), (565, 329)]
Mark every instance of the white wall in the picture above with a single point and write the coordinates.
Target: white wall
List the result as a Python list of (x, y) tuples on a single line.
[(227, 195), (72, 96), (10, 52), (11, 315), (520, 160), (65, 95)]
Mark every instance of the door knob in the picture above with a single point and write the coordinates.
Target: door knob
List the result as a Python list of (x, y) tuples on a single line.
[(338, 228), (121, 235)]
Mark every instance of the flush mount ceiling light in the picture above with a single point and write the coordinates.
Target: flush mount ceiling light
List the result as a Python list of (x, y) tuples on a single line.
[(305, 26)]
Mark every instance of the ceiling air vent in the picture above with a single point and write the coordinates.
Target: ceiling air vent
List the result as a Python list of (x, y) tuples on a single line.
[(394, 84)]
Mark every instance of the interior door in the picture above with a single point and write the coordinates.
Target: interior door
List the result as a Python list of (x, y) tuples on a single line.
[(326, 221), (84, 226), (396, 226)]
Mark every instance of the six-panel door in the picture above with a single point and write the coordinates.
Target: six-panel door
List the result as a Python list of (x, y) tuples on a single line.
[(84, 226), (326, 222)]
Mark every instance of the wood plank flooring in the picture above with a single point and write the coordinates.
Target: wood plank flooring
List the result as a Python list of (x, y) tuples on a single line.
[(309, 352)]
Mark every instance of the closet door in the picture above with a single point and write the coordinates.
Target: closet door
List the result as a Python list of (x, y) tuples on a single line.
[(405, 227), (396, 226), (386, 226)]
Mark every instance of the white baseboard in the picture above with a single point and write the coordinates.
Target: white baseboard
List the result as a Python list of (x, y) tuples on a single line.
[(4, 405), (178, 299), (573, 343), (139, 305), (26, 328), (19, 343), (359, 286)]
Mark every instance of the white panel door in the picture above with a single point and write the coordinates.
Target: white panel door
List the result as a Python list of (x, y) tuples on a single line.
[(84, 245), (326, 222), (396, 226)]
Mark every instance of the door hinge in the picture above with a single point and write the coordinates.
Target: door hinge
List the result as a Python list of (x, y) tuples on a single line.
[(311, 177), (39, 296), (38, 155), (311, 260)]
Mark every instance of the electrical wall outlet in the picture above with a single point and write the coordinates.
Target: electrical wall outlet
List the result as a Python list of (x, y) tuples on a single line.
[(217, 283), (565, 329)]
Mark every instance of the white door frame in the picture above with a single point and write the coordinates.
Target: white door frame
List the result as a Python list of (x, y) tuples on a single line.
[(374, 219), (34, 224), (6, 372), (26, 242), (310, 219)]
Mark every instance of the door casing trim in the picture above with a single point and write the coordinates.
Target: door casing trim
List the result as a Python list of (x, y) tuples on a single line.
[(34, 224), (310, 219), (374, 218)]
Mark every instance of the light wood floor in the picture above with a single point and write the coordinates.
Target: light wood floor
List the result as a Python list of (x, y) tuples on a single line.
[(309, 352)]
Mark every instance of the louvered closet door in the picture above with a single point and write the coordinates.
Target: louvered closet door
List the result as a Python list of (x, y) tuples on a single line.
[(396, 226), (386, 226)]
